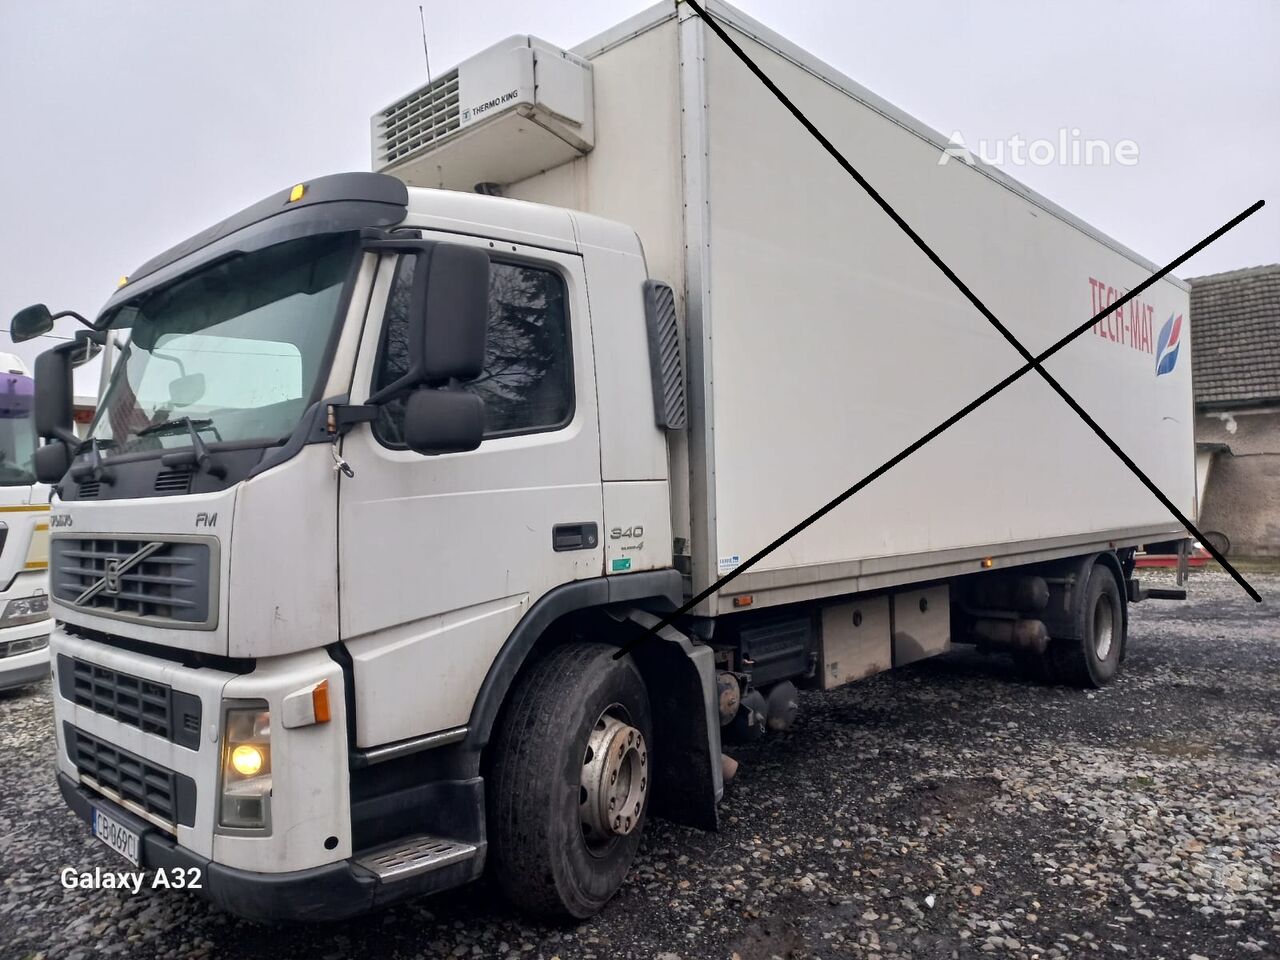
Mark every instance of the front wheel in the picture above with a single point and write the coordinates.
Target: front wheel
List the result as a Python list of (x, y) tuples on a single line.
[(569, 782), (1093, 657)]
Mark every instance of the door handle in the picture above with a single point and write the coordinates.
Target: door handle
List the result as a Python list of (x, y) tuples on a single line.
[(574, 536)]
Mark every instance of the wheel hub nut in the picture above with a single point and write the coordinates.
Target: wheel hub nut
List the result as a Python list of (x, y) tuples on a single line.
[(615, 779)]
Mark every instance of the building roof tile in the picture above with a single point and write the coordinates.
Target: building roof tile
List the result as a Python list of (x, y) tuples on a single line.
[(1235, 336)]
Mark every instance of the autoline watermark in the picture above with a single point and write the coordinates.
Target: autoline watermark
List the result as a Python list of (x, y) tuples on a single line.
[(1069, 148)]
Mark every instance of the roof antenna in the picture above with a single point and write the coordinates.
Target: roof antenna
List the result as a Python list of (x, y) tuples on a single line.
[(422, 18)]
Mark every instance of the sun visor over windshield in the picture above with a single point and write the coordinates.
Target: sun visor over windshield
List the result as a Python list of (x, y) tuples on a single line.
[(333, 204)]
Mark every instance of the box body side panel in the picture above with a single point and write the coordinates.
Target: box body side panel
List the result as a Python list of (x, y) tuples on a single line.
[(837, 343)]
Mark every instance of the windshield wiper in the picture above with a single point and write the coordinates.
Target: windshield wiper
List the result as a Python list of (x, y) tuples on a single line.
[(198, 455), (104, 444), (94, 468), (185, 423)]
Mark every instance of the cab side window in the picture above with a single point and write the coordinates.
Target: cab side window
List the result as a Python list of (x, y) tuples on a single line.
[(527, 381)]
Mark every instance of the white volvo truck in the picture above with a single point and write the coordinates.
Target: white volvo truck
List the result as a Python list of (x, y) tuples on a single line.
[(394, 464), (24, 535)]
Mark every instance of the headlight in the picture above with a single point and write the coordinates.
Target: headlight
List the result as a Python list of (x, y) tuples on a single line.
[(25, 610), (246, 767), (15, 647)]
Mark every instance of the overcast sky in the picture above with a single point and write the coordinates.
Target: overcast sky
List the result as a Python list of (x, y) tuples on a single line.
[(128, 126)]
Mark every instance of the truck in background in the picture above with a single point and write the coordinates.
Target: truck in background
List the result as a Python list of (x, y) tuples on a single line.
[(24, 535), (395, 465)]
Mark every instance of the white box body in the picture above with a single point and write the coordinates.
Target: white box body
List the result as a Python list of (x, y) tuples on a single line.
[(821, 341)]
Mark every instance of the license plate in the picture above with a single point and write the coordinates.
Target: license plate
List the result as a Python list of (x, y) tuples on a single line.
[(116, 836)]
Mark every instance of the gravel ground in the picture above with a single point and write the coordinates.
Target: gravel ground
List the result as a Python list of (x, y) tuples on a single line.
[(950, 809)]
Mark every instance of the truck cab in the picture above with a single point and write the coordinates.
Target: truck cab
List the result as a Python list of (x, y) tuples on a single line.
[(347, 473), (24, 535)]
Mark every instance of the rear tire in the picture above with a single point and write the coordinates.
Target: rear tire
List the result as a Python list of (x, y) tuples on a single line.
[(545, 844), (1035, 666), (1092, 659)]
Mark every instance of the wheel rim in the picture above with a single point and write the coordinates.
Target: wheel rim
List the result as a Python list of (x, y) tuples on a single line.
[(1104, 623), (615, 779)]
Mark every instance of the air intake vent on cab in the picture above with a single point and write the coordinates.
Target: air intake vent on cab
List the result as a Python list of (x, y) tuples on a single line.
[(173, 481), (518, 108)]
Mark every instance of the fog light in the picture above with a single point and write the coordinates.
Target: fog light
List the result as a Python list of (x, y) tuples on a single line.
[(25, 610), (246, 767)]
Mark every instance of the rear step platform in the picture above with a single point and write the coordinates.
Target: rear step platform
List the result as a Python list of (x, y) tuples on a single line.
[(410, 856), (1138, 593)]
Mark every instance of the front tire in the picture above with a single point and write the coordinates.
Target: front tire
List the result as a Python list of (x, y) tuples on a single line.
[(1092, 659), (568, 785)]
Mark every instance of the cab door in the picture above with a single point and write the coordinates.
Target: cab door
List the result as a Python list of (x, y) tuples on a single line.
[(440, 556)]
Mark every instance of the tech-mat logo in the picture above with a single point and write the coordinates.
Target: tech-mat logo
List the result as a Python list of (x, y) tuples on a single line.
[(1168, 345)]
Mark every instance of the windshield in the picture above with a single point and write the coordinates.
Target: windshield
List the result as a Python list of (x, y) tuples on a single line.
[(233, 351), (17, 433)]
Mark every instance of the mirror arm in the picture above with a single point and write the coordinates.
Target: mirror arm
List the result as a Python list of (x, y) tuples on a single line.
[(392, 390), (341, 417), (71, 313)]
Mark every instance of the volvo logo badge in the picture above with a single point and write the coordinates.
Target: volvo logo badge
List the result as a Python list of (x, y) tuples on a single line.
[(115, 568), (111, 577)]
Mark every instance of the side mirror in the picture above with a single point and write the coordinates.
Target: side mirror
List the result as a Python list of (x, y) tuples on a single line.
[(52, 461), (447, 314), (52, 405), (34, 321), (443, 421), (454, 314), (53, 394)]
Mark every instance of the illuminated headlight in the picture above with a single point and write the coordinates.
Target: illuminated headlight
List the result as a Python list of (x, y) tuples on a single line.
[(246, 767), (25, 610)]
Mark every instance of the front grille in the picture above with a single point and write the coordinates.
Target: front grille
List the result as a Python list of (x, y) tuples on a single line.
[(149, 706), (88, 489), (139, 784), (428, 114), (164, 582)]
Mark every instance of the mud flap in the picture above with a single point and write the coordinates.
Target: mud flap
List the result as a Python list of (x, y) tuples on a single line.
[(681, 677)]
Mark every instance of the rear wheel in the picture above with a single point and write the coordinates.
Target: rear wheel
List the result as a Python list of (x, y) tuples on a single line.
[(1093, 657), (569, 782), (1034, 665)]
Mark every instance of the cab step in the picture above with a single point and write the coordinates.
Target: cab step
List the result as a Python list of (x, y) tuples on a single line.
[(410, 856)]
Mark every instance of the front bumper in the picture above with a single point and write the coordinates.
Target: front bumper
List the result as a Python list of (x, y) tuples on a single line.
[(24, 669), (315, 861), (333, 891)]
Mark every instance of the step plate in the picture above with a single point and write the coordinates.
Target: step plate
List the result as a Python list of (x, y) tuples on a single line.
[(414, 855)]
